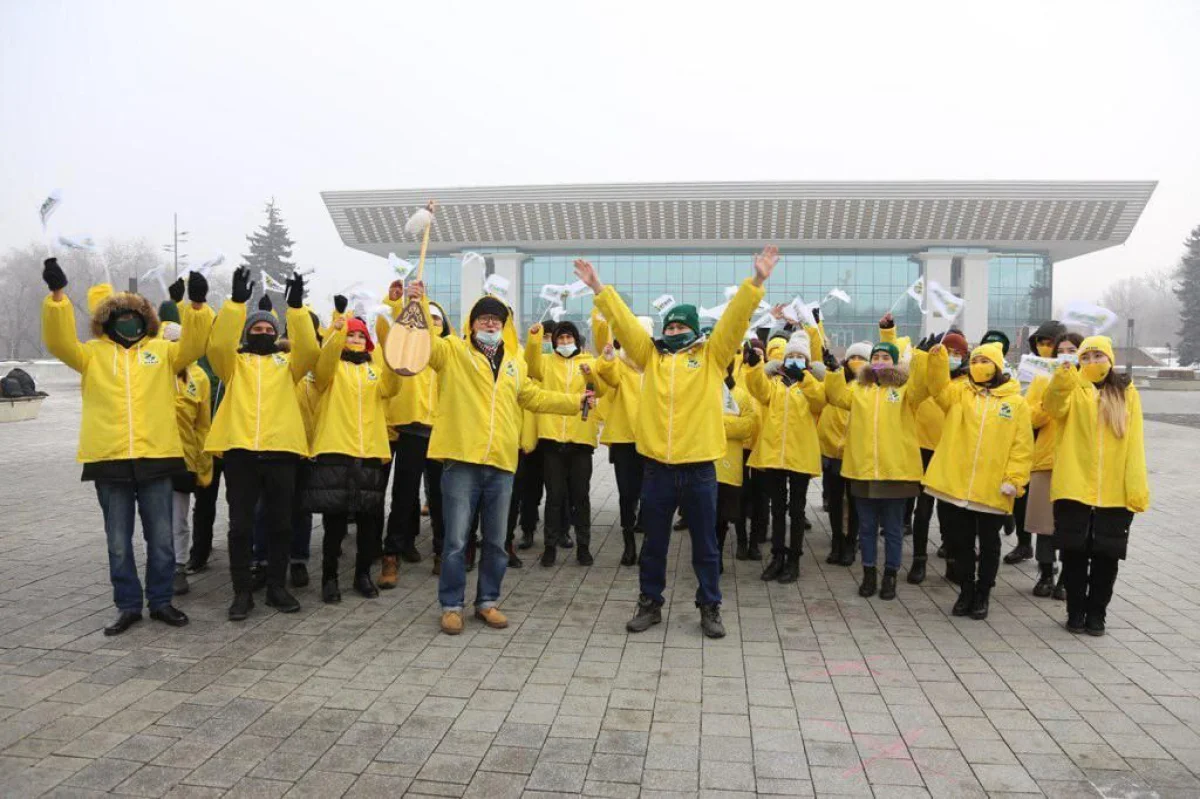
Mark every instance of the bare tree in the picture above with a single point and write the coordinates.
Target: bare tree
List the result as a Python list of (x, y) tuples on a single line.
[(1149, 300)]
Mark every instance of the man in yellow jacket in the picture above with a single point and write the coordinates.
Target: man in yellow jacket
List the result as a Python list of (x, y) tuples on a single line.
[(128, 440), (681, 432), (483, 386)]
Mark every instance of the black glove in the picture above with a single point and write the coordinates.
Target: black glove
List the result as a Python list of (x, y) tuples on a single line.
[(827, 358), (197, 288), (340, 303), (53, 274), (887, 322), (816, 314), (935, 340), (753, 358), (264, 303), (175, 290), (923, 345), (243, 286), (293, 291)]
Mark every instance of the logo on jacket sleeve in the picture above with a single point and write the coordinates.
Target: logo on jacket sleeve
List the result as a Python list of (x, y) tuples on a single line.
[(147, 358), (192, 391), (1006, 411), (892, 395)]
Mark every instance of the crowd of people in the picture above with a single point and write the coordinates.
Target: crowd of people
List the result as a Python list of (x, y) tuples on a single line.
[(724, 425)]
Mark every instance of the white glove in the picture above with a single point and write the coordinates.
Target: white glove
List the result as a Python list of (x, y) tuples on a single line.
[(1008, 489)]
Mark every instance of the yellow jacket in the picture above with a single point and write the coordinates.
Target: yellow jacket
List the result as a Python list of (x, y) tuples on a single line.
[(624, 392), (1046, 437), (930, 416), (308, 397), (738, 428), (564, 375), (352, 412), (987, 439), (1092, 465), (788, 439), (416, 400), (193, 416), (680, 416), (881, 431), (479, 415), (831, 431), (128, 394), (260, 411)]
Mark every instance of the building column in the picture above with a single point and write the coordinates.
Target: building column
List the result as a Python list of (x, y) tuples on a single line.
[(974, 318), (936, 267)]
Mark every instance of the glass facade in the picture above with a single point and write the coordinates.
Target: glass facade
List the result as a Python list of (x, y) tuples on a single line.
[(443, 282), (1019, 292)]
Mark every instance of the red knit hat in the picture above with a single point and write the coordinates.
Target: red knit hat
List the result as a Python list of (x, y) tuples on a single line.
[(955, 342), (356, 325)]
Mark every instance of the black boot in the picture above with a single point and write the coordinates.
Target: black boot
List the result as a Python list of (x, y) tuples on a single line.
[(409, 553), (916, 572), (952, 572), (565, 541), (330, 592), (526, 540), (242, 605), (125, 620), (646, 616), (629, 556), (299, 573), (743, 551), (1045, 583), (835, 550), (710, 621), (514, 562), (966, 595), (364, 585), (849, 550), (887, 589), (774, 568), (791, 569), (548, 556), (258, 576), (1094, 625), (1060, 590), (755, 553), (583, 555), (280, 599), (979, 605), (941, 552), (870, 582), (1019, 553)]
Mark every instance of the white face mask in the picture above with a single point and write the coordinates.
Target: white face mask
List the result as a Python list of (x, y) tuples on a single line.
[(488, 337), (565, 350), (955, 363), (1069, 357)]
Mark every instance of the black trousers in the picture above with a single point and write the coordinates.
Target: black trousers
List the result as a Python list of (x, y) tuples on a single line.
[(922, 514), (757, 502), (249, 476), (628, 466), (568, 476), (1024, 537), (204, 515), (367, 528), (1089, 566), (409, 464), (837, 497), (787, 492), (971, 526), (527, 492)]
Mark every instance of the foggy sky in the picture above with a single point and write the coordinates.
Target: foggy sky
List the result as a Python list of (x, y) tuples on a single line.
[(140, 109)]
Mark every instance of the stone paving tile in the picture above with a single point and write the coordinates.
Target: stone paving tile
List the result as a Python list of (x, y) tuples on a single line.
[(815, 692)]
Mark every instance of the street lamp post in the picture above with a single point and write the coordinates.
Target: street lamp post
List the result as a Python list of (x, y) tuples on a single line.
[(180, 236)]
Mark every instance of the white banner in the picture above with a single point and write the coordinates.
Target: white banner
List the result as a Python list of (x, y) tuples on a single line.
[(271, 284), (401, 267), (800, 312), (497, 286), (557, 312), (578, 289), (1032, 366), (1085, 315), (49, 206), (159, 274), (85, 243), (554, 294), (473, 260), (942, 303), (714, 312), (209, 265), (838, 294), (664, 304)]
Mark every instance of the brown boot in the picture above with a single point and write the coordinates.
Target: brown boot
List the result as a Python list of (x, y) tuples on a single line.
[(390, 572)]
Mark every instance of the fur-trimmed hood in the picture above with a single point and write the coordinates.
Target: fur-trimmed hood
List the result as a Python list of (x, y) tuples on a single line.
[(893, 376), (117, 303)]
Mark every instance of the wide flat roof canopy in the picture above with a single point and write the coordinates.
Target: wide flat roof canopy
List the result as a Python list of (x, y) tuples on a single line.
[(1062, 218)]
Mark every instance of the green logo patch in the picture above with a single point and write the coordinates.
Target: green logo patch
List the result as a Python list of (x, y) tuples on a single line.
[(1005, 411), (147, 358), (893, 395), (192, 391), (371, 376), (510, 368), (693, 362), (279, 359)]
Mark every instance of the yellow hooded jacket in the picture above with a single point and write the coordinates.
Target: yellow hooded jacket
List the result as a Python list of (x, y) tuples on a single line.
[(128, 393), (479, 415), (1046, 438), (260, 411), (680, 418), (352, 412), (930, 416), (788, 439), (738, 428), (1092, 465), (417, 399), (987, 439), (881, 429), (193, 416), (624, 391), (564, 375)]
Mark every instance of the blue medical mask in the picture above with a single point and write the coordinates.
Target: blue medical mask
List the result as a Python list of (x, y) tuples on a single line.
[(677, 341), (955, 363), (489, 338), (565, 350), (794, 366)]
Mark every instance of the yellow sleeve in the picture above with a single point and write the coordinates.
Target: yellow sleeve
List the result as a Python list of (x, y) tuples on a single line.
[(837, 393), (204, 419), (814, 391), (196, 323), (533, 356), (601, 332), (225, 337), (533, 397), (758, 385), (1020, 456), (304, 342), (439, 347), (391, 380), (327, 360), (58, 331), (816, 341), (888, 334), (1137, 487), (937, 377), (597, 385), (625, 326), (918, 386), (741, 426), (608, 372), (727, 333), (1034, 397), (1057, 400)]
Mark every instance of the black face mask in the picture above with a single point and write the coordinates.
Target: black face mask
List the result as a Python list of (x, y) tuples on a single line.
[(127, 330), (355, 357), (260, 343)]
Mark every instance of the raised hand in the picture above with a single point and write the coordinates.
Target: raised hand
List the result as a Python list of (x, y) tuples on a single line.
[(415, 290), (753, 357), (535, 330), (338, 323), (197, 288), (888, 321), (265, 304), (764, 264), (609, 353), (777, 310), (293, 291), (588, 274), (243, 286), (830, 361), (52, 273), (586, 368), (340, 303), (175, 290)]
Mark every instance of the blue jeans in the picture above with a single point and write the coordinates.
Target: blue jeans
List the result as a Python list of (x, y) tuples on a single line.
[(693, 488), (152, 499), (468, 488), (885, 513)]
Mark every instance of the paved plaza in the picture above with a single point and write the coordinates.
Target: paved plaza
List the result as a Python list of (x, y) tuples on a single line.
[(814, 691)]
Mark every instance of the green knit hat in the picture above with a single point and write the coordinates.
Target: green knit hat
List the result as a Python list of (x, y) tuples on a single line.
[(889, 348), (684, 314), (168, 312)]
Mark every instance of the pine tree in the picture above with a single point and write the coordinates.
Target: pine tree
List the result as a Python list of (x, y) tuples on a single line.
[(270, 249), (1188, 292)]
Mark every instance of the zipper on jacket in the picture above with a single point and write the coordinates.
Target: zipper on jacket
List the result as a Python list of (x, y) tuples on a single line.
[(567, 387), (671, 409), (129, 399), (258, 407), (492, 419), (978, 445), (358, 374), (787, 398), (1099, 447), (878, 393)]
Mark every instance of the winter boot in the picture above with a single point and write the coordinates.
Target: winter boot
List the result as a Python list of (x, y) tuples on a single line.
[(966, 596), (835, 550), (180, 584), (330, 592), (364, 585), (437, 565), (849, 551), (1076, 622), (243, 603), (979, 605), (1045, 584), (710, 621), (1094, 625), (526, 540), (791, 569), (869, 582), (514, 562), (282, 600), (1018, 554), (916, 572), (887, 589), (754, 552), (409, 553), (646, 616), (583, 555), (389, 573), (630, 555), (1060, 590), (774, 568), (299, 574), (548, 556)]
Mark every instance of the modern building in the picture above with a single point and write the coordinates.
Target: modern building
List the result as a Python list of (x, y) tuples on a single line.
[(993, 244)]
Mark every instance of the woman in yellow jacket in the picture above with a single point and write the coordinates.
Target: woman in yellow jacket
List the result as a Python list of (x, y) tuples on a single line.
[(349, 471), (741, 424), (831, 433), (1099, 478), (567, 442), (259, 431), (882, 459), (981, 464), (1039, 511), (128, 440), (787, 450), (681, 432)]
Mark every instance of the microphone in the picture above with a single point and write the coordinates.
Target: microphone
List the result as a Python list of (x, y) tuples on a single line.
[(586, 408)]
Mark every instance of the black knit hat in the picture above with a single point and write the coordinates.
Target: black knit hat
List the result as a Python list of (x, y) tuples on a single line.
[(1049, 330), (997, 337), (571, 329), (489, 305)]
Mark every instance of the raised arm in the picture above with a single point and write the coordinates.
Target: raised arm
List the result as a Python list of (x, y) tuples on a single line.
[(601, 331), (757, 384), (1034, 397), (937, 376), (814, 392), (58, 327), (1057, 400), (918, 385), (634, 340), (533, 352), (731, 327), (197, 321), (837, 393), (532, 397), (303, 336), (225, 337), (330, 355), (607, 369)]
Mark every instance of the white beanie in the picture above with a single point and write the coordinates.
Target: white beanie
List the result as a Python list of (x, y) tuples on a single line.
[(799, 344), (859, 349), (171, 331)]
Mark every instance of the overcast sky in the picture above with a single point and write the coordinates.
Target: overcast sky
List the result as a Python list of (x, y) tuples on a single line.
[(139, 109)]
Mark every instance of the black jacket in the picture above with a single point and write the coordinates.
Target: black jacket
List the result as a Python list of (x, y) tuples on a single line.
[(342, 484)]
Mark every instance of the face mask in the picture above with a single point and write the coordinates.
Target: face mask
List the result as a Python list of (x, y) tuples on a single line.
[(1069, 357), (130, 328), (955, 363), (260, 343), (855, 365), (488, 338), (1095, 372), (547, 348), (565, 350), (879, 366), (794, 367), (677, 341), (983, 372), (356, 346), (1045, 350), (437, 326)]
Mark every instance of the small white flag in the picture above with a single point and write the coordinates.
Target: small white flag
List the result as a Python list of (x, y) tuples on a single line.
[(729, 404), (497, 286), (401, 267), (557, 313), (159, 274), (49, 206), (942, 303), (714, 312), (1085, 315), (271, 284), (730, 291), (664, 304), (473, 260), (209, 265), (85, 243), (554, 294), (578, 289), (1032, 366), (917, 291), (799, 311), (838, 294)]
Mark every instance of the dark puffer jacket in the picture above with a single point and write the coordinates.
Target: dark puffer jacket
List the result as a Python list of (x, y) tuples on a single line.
[(342, 484)]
